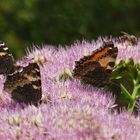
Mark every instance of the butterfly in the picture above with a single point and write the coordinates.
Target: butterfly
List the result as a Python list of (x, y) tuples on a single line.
[(96, 68), (23, 83)]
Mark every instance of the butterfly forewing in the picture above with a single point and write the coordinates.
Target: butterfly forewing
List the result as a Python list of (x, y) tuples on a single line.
[(96, 68), (6, 60)]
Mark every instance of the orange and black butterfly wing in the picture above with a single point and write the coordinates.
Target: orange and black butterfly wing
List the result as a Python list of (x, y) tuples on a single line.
[(97, 68)]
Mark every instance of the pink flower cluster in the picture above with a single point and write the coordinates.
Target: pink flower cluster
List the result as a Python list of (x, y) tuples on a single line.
[(69, 110)]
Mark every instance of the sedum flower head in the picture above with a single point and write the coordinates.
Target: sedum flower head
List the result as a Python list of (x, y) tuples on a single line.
[(69, 110)]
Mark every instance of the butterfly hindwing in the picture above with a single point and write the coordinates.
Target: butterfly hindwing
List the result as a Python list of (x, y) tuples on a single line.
[(25, 84), (96, 68)]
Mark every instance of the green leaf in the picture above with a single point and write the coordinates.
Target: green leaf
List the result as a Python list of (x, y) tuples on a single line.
[(126, 93)]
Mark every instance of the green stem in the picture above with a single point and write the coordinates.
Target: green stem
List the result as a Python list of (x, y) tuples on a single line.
[(131, 106), (134, 97)]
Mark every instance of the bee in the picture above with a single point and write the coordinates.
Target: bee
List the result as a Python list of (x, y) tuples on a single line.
[(131, 39)]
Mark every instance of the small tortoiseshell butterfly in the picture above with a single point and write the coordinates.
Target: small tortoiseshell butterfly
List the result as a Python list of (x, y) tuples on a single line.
[(95, 69), (23, 83)]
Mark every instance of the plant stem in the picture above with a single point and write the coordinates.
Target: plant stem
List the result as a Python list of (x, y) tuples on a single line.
[(134, 96)]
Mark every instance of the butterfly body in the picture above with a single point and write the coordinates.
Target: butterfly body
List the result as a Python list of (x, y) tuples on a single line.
[(96, 68)]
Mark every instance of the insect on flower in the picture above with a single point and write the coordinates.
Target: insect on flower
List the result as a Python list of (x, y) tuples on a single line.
[(23, 83), (96, 68), (131, 39)]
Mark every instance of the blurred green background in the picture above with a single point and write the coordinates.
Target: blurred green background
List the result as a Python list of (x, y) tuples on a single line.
[(58, 22)]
